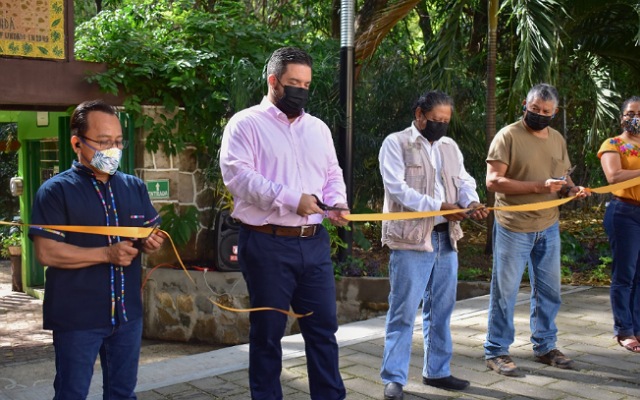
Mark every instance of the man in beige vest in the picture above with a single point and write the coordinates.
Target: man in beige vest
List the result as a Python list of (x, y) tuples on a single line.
[(422, 170)]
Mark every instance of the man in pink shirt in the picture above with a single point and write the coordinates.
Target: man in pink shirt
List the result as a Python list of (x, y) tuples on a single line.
[(280, 165)]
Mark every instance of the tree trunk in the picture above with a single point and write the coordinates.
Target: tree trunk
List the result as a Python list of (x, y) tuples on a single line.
[(491, 104), (335, 18), (424, 22)]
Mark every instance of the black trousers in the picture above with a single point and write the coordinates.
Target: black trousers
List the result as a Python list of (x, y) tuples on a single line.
[(282, 271)]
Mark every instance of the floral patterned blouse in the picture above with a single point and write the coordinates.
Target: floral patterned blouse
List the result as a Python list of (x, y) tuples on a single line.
[(629, 159)]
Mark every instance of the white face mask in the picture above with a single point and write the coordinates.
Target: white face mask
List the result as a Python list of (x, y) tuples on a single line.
[(107, 161)]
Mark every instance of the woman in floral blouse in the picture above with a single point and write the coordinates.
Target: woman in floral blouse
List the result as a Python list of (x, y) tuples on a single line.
[(620, 159)]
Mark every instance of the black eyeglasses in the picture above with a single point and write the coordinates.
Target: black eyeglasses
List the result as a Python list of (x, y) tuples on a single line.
[(631, 115), (109, 144)]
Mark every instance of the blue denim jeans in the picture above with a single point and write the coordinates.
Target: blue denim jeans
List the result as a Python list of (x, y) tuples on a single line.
[(76, 353), (622, 224), (512, 252), (414, 276)]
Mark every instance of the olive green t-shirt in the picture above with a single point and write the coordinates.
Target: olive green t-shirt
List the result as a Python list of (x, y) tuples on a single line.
[(528, 158)]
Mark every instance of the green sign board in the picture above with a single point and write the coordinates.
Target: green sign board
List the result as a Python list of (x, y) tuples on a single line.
[(158, 189)]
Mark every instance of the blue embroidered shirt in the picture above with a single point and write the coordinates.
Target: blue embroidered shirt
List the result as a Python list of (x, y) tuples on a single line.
[(76, 299)]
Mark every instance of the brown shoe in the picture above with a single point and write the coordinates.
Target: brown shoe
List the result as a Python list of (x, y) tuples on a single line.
[(503, 365), (555, 358)]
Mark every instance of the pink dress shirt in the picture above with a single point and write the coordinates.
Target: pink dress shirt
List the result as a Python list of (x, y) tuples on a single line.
[(267, 164)]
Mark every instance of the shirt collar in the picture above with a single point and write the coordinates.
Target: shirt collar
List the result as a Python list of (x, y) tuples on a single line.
[(416, 135), (83, 170), (274, 111)]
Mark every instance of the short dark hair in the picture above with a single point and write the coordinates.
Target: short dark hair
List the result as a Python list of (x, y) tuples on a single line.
[(545, 92), (431, 99), (284, 56), (632, 99), (79, 123)]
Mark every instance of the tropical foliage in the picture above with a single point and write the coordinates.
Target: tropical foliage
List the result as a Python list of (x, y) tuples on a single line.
[(207, 57), (9, 205)]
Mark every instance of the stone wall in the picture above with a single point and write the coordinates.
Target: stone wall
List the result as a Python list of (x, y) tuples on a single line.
[(178, 310), (187, 187)]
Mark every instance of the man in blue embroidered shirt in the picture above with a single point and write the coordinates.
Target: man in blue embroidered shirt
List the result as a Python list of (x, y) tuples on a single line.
[(92, 299)]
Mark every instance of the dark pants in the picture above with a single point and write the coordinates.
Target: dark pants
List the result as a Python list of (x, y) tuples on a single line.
[(76, 353), (622, 224), (289, 271)]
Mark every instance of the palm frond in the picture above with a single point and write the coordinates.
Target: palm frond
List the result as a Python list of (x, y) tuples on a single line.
[(382, 21), (442, 51), (607, 96), (604, 29), (538, 30)]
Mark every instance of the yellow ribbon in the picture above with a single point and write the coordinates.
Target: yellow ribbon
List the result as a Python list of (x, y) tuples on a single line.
[(141, 232), (616, 186), (239, 310), (517, 208), (124, 231)]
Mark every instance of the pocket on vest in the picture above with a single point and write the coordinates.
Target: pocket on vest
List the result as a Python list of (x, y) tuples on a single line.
[(406, 231)]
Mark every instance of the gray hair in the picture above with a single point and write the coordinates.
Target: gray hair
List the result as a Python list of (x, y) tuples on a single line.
[(543, 91)]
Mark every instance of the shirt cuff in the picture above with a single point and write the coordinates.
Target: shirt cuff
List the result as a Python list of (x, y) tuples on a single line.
[(291, 199)]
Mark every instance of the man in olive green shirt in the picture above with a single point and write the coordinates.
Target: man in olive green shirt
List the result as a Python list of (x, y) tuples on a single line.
[(527, 163)]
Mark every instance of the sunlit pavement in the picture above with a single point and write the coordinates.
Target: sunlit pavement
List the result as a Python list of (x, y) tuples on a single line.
[(603, 370)]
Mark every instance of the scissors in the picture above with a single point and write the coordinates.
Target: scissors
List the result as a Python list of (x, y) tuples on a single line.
[(139, 243), (480, 207), (325, 207), (567, 173)]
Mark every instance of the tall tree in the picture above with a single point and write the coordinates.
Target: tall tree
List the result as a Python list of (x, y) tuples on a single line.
[(491, 100)]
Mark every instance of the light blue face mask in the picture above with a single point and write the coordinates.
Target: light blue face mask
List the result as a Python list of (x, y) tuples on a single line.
[(632, 125), (107, 161)]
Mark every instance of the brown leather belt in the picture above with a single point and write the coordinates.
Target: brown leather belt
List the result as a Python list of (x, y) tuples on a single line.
[(299, 231), (443, 227), (628, 201)]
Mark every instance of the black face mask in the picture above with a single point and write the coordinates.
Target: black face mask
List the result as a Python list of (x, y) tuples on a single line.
[(433, 131), (293, 101), (537, 122)]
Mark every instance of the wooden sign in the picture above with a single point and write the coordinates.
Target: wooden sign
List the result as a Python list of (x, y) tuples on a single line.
[(32, 28)]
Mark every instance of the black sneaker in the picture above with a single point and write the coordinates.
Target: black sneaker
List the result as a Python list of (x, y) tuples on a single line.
[(503, 365), (449, 383), (393, 391)]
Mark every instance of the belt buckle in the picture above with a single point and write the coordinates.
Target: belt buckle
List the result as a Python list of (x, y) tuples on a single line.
[(303, 228)]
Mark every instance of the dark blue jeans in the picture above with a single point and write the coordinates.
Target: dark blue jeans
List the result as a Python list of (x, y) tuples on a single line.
[(290, 271), (76, 353), (622, 224)]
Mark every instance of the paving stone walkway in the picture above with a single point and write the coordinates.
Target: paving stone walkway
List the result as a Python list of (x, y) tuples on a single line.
[(603, 370)]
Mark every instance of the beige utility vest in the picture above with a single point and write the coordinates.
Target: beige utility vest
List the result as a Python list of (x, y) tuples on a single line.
[(415, 234)]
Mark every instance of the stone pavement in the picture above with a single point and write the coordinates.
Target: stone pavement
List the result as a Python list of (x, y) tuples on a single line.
[(603, 370)]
